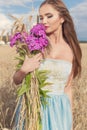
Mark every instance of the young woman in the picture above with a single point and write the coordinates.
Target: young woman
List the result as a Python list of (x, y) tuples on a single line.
[(63, 60)]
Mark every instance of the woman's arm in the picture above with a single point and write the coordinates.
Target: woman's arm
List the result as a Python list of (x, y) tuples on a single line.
[(18, 77), (29, 65)]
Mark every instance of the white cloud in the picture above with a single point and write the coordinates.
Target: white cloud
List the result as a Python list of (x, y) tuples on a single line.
[(79, 14), (13, 2), (5, 23), (16, 2)]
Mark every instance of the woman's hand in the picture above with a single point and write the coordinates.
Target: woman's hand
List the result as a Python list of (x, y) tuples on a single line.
[(30, 64)]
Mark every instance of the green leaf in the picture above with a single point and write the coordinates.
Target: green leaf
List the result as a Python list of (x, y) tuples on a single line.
[(45, 84), (28, 79), (18, 66), (20, 58), (44, 92), (23, 89)]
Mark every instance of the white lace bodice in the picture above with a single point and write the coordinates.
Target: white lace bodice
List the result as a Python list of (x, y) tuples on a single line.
[(58, 76)]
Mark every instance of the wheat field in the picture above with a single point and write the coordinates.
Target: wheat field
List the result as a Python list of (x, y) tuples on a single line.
[(8, 90)]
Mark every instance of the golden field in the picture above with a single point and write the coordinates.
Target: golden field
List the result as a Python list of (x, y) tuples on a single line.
[(8, 89)]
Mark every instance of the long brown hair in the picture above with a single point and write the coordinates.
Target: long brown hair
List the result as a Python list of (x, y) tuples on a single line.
[(69, 33)]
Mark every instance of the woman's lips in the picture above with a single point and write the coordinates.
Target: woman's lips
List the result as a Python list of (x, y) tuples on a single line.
[(46, 27)]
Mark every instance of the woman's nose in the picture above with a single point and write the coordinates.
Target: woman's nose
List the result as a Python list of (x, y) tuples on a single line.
[(44, 21)]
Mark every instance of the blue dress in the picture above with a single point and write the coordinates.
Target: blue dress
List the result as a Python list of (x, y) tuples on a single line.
[(58, 114)]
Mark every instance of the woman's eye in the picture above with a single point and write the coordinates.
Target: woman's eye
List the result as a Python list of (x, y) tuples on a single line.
[(41, 18), (50, 16)]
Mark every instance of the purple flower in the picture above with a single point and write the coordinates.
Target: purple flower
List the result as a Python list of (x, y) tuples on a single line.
[(18, 37), (36, 40)]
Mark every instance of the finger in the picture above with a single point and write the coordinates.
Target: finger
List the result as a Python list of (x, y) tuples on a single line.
[(37, 66), (37, 55), (26, 57), (40, 58)]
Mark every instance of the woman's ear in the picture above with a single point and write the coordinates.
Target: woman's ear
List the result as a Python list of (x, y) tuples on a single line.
[(62, 20)]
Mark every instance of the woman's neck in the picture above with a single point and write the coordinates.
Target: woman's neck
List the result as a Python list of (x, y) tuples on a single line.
[(56, 37)]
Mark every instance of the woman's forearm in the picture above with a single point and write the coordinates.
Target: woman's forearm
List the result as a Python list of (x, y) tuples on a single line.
[(29, 65), (18, 77)]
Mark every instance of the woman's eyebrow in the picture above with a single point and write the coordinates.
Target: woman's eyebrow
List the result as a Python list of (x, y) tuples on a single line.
[(45, 14)]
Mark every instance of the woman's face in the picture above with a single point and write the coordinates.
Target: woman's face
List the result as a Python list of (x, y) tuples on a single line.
[(50, 18)]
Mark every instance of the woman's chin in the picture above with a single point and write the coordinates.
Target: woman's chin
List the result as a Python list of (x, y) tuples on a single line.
[(48, 32)]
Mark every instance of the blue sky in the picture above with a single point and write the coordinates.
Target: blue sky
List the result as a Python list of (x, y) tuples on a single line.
[(18, 8)]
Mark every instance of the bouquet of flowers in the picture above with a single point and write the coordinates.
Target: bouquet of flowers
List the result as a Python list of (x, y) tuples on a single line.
[(31, 91)]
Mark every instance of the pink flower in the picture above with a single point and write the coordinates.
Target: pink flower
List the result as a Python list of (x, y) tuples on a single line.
[(36, 40)]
